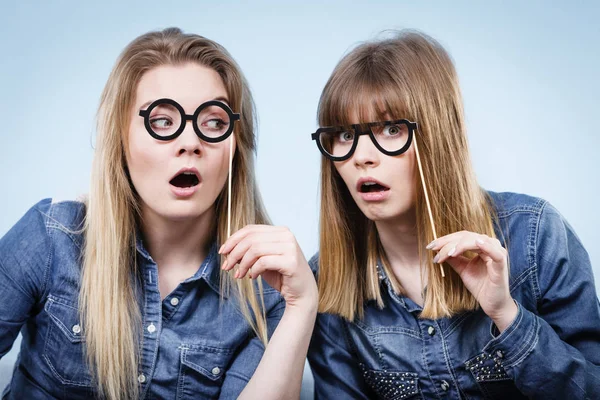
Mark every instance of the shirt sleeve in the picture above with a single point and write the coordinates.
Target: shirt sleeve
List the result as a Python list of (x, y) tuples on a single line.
[(246, 361), (25, 252), (554, 353)]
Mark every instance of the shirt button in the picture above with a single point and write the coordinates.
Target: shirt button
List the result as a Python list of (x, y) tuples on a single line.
[(174, 301), (76, 329), (151, 328), (216, 371), (141, 378), (445, 386), (431, 331)]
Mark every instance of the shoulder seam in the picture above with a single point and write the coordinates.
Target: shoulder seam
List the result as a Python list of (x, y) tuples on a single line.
[(533, 246), (45, 287), (53, 223), (536, 208)]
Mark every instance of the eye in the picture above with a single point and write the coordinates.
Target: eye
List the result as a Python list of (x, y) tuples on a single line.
[(215, 123), (345, 136), (161, 123), (392, 130)]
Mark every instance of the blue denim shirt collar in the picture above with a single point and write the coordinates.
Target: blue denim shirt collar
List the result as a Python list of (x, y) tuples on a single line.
[(404, 301)]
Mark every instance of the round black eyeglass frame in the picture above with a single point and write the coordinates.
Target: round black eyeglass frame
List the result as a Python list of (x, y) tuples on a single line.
[(358, 130), (186, 117)]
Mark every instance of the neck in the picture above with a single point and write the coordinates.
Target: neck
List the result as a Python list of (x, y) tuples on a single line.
[(400, 243), (399, 240), (177, 244)]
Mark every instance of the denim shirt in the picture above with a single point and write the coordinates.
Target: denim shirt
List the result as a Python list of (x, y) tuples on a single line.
[(550, 351), (193, 344)]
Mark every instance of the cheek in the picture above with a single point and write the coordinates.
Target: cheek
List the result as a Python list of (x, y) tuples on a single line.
[(345, 171), (217, 161), (406, 172), (143, 156)]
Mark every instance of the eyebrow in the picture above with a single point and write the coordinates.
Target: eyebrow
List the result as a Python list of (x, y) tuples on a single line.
[(220, 98)]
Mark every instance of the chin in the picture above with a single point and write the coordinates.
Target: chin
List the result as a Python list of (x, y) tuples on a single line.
[(180, 216), (375, 212), (386, 212), (179, 210), (186, 212)]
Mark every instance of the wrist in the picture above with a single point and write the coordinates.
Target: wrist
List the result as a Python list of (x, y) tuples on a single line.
[(505, 316), (306, 305)]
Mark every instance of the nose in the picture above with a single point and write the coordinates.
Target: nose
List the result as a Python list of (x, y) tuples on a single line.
[(188, 142), (366, 154)]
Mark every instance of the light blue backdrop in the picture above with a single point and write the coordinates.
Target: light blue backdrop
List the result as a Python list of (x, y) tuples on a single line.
[(529, 74)]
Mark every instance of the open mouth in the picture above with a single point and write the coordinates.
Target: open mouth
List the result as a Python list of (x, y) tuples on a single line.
[(369, 187), (185, 180)]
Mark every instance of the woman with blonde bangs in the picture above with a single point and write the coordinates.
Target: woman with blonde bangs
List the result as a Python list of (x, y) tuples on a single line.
[(140, 291), (431, 287)]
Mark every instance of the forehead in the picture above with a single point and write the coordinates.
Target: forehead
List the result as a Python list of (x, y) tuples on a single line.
[(361, 104), (367, 112), (189, 84)]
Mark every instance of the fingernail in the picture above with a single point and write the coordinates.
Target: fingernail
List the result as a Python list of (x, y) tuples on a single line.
[(237, 274), (224, 264), (480, 241), (221, 249), (436, 258), (430, 245), (452, 250)]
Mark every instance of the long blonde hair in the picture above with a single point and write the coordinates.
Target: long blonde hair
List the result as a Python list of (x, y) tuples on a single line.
[(111, 323), (411, 76)]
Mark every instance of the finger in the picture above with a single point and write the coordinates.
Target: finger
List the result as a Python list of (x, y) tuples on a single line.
[(487, 248), (460, 244), (255, 252), (444, 252), (275, 235), (493, 249), (238, 236), (459, 263), (237, 252), (439, 242), (264, 264), (452, 237)]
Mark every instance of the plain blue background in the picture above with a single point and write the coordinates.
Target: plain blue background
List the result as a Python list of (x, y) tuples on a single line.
[(529, 75)]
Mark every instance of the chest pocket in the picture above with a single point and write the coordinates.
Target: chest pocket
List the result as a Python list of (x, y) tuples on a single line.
[(63, 350), (392, 385), (202, 371), (492, 379)]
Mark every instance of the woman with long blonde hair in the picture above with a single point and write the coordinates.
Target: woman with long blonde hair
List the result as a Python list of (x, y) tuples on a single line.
[(143, 290), (431, 287)]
